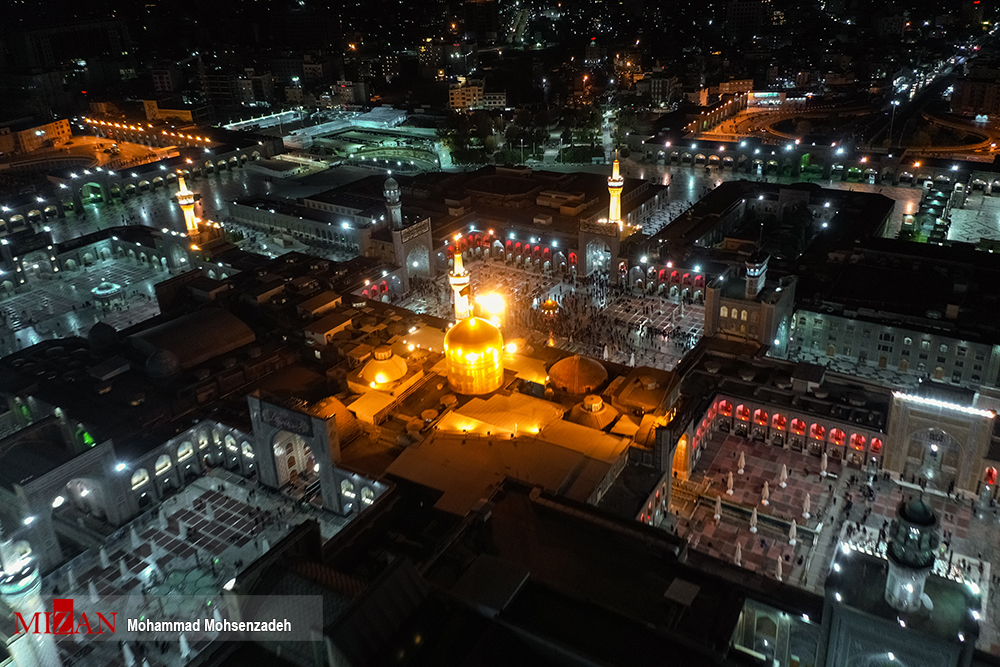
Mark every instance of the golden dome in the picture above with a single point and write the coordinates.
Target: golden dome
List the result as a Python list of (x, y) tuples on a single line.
[(384, 367), (473, 333), (474, 354), (578, 375)]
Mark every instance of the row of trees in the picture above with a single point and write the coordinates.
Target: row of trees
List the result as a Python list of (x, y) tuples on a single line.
[(475, 136)]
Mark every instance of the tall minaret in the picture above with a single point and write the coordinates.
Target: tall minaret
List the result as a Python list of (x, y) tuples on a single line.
[(459, 279), (615, 185), (391, 192), (186, 199), (21, 591), (913, 541)]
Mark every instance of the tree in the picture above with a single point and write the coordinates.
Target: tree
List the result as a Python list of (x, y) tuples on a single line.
[(490, 144), (567, 136)]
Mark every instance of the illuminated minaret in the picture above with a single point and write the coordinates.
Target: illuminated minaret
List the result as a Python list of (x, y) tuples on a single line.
[(615, 185), (186, 199), (391, 192), (459, 279), (20, 590)]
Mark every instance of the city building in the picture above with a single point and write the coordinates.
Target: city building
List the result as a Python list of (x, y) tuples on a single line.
[(471, 94), (482, 20), (27, 134)]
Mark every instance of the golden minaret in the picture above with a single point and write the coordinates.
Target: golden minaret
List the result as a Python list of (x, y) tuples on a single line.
[(615, 185), (186, 199), (459, 280)]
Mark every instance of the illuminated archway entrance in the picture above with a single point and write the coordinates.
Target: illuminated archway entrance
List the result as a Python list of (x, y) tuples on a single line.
[(933, 458)]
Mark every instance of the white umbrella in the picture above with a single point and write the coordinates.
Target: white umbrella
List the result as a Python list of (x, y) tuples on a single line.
[(742, 463), (718, 508), (605, 353), (777, 568), (792, 532), (739, 555), (185, 648), (822, 465), (105, 561), (753, 521), (134, 537), (764, 495), (729, 484), (805, 507), (631, 359), (92, 589), (783, 479)]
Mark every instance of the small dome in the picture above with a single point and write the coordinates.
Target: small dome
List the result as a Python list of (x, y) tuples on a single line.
[(917, 512), (102, 336), (385, 367), (578, 375), (162, 365), (593, 412), (391, 184)]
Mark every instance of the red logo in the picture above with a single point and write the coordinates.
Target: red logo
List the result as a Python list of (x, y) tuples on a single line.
[(62, 621)]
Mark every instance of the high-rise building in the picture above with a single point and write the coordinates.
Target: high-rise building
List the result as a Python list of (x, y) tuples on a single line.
[(482, 20)]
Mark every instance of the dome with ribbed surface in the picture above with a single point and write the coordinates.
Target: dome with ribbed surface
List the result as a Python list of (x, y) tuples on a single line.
[(593, 412), (578, 375), (384, 368)]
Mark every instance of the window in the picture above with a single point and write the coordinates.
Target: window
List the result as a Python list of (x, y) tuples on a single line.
[(959, 364), (818, 322), (891, 338), (961, 351), (753, 317), (885, 348), (723, 312), (905, 353), (980, 356), (802, 321), (923, 355), (907, 341), (347, 488), (866, 333), (743, 316), (921, 366), (977, 367), (735, 313), (925, 345), (847, 350), (943, 349), (941, 360), (956, 377), (975, 378)]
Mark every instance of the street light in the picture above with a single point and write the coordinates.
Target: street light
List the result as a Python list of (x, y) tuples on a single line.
[(892, 119)]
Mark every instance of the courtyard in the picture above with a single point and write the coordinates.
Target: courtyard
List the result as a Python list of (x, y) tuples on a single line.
[(849, 509)]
